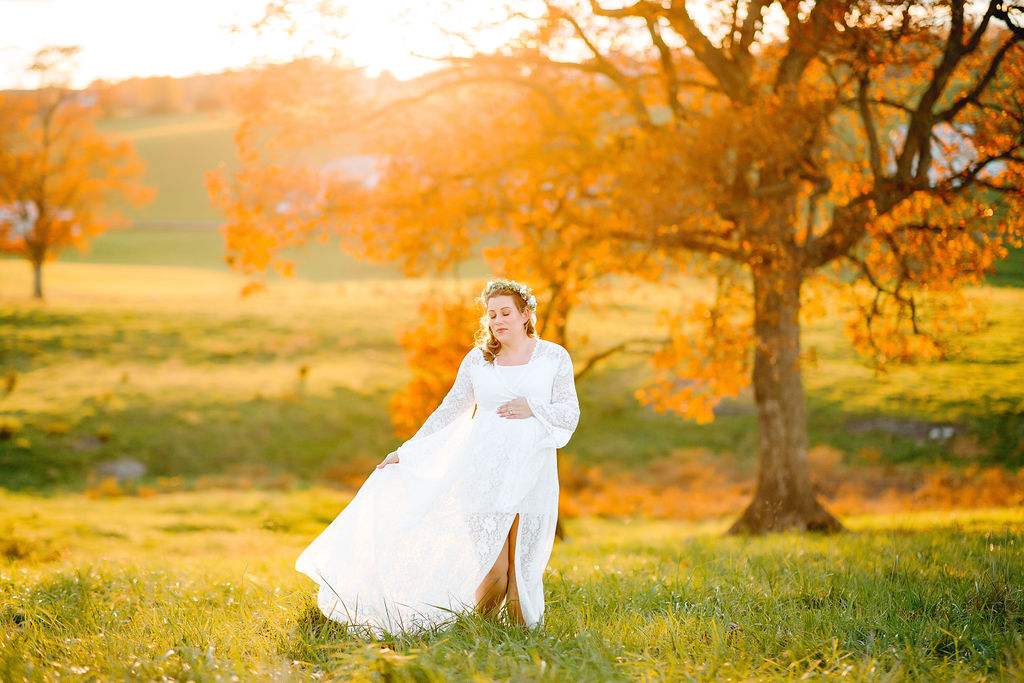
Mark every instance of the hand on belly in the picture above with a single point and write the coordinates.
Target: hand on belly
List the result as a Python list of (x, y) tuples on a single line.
[(516, 409)]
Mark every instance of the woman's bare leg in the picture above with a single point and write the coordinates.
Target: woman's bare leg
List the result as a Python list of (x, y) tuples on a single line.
[(512, 605), (492, 589)]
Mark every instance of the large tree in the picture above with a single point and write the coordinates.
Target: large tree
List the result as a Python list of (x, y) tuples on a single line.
[(865, 132), (440, 194), (875, 147), (60, 177)]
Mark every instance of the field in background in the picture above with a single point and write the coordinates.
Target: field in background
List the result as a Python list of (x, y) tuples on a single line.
[(201, 586), (204, 248), (144, 350), (168, 366), (180, 148)]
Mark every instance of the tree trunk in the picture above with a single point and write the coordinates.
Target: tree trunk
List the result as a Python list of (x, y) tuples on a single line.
[(785, 496), (37, 271), (556, 320)]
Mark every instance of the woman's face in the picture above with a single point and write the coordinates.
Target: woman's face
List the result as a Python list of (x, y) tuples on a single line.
[(505, 319)]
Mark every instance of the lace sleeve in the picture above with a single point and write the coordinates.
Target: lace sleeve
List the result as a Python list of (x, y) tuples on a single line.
[(561, 415), (460, 399)]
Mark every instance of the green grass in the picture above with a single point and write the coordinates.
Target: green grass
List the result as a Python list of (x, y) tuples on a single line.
[(178, 150), (1009, 271), (192, 248), (204, 248), (201, 586), (170, 367)]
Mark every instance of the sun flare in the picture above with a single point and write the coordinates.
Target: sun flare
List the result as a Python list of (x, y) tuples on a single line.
[(196, 36)]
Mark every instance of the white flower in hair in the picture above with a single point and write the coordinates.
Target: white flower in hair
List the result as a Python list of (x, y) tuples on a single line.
[(522, 290)]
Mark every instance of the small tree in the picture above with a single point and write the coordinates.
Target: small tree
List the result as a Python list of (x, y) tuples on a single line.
[(58, 174)]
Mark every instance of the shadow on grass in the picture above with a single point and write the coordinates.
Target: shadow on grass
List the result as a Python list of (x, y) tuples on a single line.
[(299, 438), (35, 336), (295, 436), (1009, 271)]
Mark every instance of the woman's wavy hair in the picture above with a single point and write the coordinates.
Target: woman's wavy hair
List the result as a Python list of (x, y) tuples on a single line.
[(484, 337)]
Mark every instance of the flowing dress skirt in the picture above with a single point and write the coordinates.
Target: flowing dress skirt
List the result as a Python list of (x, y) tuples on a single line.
[(412, 547)]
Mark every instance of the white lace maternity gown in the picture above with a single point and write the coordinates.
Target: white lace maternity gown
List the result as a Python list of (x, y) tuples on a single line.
[(415, 542)]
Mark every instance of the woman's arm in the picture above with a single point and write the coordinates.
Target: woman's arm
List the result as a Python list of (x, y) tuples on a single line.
[(460, 399), (561, 414)]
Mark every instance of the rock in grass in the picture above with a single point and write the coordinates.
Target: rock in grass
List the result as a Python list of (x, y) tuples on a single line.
[(86, 443), (122, 469)]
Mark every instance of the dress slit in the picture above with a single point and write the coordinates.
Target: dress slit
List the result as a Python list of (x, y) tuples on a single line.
[(513, 549), (515, 558)]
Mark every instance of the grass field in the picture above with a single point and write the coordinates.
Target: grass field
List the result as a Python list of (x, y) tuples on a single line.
[(169, 366), (203, 248), (200, 586), (178, 150), (250, 415)]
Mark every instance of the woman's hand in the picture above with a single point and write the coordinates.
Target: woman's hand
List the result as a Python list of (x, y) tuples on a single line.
[(517, 409), (392, 459)]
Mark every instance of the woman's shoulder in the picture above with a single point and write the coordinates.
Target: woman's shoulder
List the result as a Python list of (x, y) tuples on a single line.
[(550, 348), (545, 347)]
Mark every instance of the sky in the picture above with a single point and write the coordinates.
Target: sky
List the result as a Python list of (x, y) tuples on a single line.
[(122, 38)]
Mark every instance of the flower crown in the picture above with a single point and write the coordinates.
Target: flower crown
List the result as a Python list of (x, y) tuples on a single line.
[(520, 288)]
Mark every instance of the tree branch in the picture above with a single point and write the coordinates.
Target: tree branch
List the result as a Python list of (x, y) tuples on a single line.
[(608, 69), (462, 80), (804, 44), (751, 24), (916, 143), (668, 69), (705, 243), (969, 175), (884, 102), (618, 348), (726, 72), (983, 82), (894, 293), (849, 223)]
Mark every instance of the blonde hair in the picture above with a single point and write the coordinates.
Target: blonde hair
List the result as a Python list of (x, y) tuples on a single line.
[(485, 338)]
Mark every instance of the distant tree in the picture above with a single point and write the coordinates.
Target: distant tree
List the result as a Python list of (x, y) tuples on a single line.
[(163, 95), (59, 176), (106, 97)]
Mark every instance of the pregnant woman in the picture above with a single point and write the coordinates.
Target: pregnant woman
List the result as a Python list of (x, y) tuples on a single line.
[(463, 514)]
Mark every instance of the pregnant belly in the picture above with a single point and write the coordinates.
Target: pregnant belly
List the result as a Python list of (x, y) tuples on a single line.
[(522, 432), (504, 460)]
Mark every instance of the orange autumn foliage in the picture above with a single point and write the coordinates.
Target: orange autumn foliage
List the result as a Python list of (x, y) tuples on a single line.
[(430, 210), (691, 484), (59, 176), (873, 149), (434, 349), (283, 194)]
